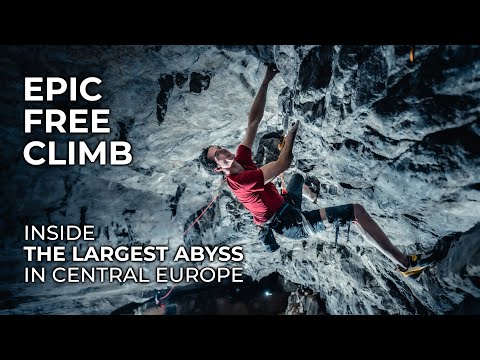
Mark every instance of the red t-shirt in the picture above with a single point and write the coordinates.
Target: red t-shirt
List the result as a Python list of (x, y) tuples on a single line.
[(261, 200)]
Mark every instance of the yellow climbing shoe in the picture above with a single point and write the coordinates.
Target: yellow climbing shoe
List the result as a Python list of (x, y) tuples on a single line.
[(417, 263)]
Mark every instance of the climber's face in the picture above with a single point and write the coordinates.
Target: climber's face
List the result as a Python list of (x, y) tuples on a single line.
[(222, 157)]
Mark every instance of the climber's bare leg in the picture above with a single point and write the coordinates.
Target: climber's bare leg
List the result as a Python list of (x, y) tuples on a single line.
[(370, 231)]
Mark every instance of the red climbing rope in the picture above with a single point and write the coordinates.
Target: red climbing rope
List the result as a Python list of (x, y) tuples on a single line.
[(193, 223), (203, 212), (163, 297), (158, 301)]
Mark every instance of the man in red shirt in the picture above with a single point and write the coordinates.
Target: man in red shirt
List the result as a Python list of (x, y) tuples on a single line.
[(254, 189)]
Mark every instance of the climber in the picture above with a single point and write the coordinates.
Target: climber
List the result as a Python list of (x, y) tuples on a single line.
[(271, 211)]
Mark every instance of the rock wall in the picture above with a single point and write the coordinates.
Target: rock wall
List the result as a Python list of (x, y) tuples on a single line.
[(399, 137)]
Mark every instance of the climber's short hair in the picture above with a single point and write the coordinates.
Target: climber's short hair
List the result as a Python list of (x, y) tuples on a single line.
[(208, 164)]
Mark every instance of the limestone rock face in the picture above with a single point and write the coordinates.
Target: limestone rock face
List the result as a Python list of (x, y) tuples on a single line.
[(400, 137)]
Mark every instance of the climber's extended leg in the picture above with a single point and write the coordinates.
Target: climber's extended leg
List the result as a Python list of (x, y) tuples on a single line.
[(370, 231)]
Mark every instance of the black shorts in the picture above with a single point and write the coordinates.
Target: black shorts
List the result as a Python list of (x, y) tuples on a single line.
[(341, 213), (292, 222)]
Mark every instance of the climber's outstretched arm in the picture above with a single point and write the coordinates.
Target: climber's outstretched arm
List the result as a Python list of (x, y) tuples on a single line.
[(258, 107), (275, 168)]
